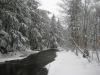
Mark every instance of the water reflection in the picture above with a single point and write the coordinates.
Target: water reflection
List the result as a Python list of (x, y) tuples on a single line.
[(32, 65)]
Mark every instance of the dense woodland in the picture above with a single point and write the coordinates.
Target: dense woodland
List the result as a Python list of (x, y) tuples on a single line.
[(83, 20), (24, 26)]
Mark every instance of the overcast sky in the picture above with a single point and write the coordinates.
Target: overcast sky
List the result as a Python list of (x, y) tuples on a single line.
[(50, 5)]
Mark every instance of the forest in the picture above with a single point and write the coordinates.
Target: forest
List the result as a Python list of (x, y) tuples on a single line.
[(24, 26), (83, 20)]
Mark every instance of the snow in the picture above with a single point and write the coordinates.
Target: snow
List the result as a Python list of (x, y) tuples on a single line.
[(4, 33), (10, 56), (67, 63), (16, 55)]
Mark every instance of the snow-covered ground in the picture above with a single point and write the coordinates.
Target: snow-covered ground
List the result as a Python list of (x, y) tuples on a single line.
[(67, 63), (16, 55)]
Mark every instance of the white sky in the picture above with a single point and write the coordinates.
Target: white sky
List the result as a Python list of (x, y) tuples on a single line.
[(50, 5)]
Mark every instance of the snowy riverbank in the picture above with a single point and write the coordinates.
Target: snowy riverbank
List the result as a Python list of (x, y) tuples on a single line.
[(16, 55), (67, 63)]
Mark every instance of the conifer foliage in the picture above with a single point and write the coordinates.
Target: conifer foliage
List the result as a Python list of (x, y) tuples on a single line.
[(23, 25)]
